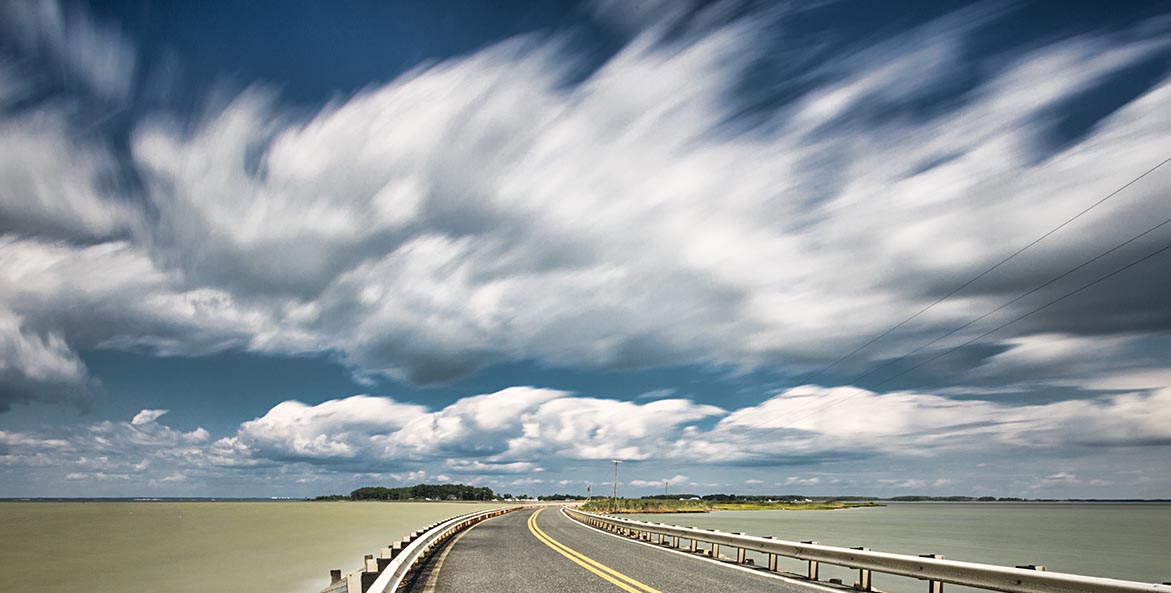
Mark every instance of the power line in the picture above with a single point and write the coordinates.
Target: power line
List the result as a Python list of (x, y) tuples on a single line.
[(1048, 304), (1010, 302), (977, 277)]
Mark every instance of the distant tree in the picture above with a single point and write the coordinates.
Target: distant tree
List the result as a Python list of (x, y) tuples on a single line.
[(423, 492)]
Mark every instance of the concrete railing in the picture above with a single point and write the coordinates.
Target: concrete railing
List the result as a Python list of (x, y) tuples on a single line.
[(931, 568), (386, 572)]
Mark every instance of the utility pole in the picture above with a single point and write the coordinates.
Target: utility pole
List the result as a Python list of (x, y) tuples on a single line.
[(664, 488), (614, 496), (589, 492)]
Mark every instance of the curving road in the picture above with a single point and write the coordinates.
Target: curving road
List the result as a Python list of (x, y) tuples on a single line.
[(543, 551)]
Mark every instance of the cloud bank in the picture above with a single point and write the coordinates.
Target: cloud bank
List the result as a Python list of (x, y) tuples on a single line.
[(522, 434)]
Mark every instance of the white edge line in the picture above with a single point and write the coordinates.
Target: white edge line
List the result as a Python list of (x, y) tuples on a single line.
[(686, 554), (433, 577)]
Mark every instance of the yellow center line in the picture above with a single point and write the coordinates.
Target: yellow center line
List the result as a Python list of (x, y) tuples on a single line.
[(607, 573)]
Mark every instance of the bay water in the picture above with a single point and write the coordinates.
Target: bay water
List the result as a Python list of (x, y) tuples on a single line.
[(205, 547), (289, 547), (1130, 541)]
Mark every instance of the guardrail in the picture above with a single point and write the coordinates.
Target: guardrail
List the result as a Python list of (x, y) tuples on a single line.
[(385, 573), (931, 568)]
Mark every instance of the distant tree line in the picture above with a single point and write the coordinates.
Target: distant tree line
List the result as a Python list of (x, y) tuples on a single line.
[(423, 492), (796, 497), (466, 492), (729, 497)]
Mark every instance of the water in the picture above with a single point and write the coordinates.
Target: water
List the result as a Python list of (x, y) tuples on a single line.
[(289, 547), (205, 547), (1129, 541)]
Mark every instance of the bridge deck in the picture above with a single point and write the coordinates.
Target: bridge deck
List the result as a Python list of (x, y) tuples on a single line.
[(542, 551)]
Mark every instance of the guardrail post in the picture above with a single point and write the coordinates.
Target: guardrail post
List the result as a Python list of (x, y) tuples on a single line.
[(813, 564), (863, 583), (772, 558), (365, 579), (354, 582), (740, 552), (933, 586), (716, 551), (693, 547), (675, 542)]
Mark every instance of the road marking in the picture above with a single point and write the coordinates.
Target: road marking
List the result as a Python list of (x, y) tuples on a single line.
[(433, 578), (605, 572), (798, 581)]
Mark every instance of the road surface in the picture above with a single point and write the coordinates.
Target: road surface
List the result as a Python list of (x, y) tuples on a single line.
[(543, 551)]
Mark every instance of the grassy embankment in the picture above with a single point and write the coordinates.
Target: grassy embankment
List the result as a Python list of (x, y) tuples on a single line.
[(642, 505)]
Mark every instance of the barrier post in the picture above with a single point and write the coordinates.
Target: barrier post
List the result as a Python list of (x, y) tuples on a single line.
[(813, 564), (863, 583), (933, 586)]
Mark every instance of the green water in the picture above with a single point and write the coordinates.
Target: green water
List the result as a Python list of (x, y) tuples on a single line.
[(1123, 541), (205, 547)]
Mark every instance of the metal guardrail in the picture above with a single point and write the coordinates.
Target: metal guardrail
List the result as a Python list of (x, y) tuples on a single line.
[(385, 574), (931, 568)]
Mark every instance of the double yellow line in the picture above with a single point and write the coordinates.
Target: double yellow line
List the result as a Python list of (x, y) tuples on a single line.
[(605, 572)]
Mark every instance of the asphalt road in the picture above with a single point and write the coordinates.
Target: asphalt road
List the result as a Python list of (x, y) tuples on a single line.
[(543, 551)]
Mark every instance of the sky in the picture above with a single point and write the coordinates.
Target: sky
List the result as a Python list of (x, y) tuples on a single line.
[(294, 248)]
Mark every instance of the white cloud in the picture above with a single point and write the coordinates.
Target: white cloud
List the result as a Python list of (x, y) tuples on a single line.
[(146, 417), (824, 423), (32, 366), (799, 481), (336, 428), (436, 225), (49, 181), (360, 440), (676, 480), (475, 466), (56, 297), (73, 44), (522, 430)]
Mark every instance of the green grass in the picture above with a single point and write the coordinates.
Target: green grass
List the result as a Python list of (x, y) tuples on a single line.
[(789, 506), (644, 505)]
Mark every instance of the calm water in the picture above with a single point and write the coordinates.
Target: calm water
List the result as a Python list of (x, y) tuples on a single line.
[(205, 547), (1125, 541), (289, 547)]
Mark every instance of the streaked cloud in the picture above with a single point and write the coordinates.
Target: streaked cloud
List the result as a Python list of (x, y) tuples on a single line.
[(67, 40), (437, 224)]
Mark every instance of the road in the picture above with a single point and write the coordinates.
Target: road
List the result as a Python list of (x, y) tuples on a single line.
[(543, 551)]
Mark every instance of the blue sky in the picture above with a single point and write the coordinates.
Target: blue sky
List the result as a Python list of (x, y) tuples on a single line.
[(283, 249)]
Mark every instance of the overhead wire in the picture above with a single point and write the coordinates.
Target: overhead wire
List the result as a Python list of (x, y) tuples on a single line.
[(1048, 304), (984, 273), (999, 308)]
